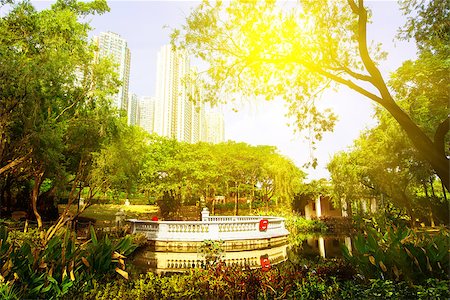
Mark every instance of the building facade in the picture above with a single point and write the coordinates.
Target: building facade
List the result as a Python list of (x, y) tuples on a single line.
[(133, 106), (175, 115), (146, 113), (212, 127), (111, 45)]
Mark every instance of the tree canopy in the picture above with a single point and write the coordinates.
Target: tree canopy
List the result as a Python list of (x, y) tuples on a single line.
[(50, 83), (298, 50)]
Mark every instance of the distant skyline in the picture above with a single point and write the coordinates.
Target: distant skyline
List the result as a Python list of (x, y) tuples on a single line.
[(147, 25)]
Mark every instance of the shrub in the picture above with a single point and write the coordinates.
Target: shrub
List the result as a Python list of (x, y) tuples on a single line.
[(168, 205), (52, 268), (296, 224), (400, 254)]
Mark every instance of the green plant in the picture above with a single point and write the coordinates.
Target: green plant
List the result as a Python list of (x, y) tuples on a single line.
[(433, 290), (296, 224), (400, 254), (7, 292), (212, 251), (103, 256), (53, 268), (168, 205)]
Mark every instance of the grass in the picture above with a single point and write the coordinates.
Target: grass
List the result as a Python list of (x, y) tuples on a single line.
[(104, 213)]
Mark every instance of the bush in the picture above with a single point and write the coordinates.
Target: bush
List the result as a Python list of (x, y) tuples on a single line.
[(324, 281), (168, 205), (51, 268), (295, 224), (400, 254)]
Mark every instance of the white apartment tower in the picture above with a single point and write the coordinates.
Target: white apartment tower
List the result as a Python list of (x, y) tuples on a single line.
[(213, 128), (111, 45), (146, 113), (175, 116), (133, 106)]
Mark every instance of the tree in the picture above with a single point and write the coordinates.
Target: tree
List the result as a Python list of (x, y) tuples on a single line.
[(48, 74), (259, 48), (119, 165), (382, 164)]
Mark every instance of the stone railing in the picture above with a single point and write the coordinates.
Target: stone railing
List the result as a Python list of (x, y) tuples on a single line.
[(211, 228)]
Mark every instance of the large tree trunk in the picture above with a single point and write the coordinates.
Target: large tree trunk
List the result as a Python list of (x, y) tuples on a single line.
[(38, 176), (429, 151)]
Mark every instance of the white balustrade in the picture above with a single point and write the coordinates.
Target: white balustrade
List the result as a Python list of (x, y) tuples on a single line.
[(211, 228)]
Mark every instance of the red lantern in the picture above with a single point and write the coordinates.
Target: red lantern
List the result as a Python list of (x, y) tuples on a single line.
[(154, 218), (263, 224), (265, 263)]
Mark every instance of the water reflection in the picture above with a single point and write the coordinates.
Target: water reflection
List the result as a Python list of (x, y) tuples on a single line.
[(161, 262), (312, 247)]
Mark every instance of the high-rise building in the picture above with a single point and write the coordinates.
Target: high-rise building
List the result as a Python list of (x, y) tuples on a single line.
[(146, 113), (111, 45), (175, 115), (213, 127), (133, 106)]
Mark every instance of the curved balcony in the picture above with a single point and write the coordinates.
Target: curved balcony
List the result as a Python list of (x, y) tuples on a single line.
[(238, 232)]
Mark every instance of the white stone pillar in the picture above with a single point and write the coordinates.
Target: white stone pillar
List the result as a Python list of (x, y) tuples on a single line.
[(205, 214), (318, 207), (364, 205), (344, 210), (373, 205), (348, 244), (322, 247)]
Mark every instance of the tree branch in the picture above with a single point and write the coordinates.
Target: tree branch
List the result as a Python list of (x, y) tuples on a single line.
[(15, 162), (377, 79), (439, 135)]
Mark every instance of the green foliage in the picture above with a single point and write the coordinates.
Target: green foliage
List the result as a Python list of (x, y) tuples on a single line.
[(211, 251), (58, 267), (296, 224), (322, 281), (400, 254), (7, 292), (388, 289), (313, 287), (265, 50), (168, 205), (54, 99), (191, 171)]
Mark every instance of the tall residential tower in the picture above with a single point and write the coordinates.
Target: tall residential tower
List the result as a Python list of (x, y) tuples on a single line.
[(175, 116), (111, 45)]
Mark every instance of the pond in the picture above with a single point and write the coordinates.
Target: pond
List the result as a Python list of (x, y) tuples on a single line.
[(311, 247)]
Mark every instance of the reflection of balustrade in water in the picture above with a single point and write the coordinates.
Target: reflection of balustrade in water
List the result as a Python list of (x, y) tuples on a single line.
[(176, 261)]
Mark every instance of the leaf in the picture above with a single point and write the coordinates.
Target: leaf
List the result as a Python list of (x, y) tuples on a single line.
[(122, 263), (382, 266), (409, 252), (117, 255), (93, 236), (72, 275), (429, 265), (122, 273), (85, 261), (396, 272), (372, 260)]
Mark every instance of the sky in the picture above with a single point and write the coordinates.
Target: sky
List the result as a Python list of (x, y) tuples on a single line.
[(146, 26)]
